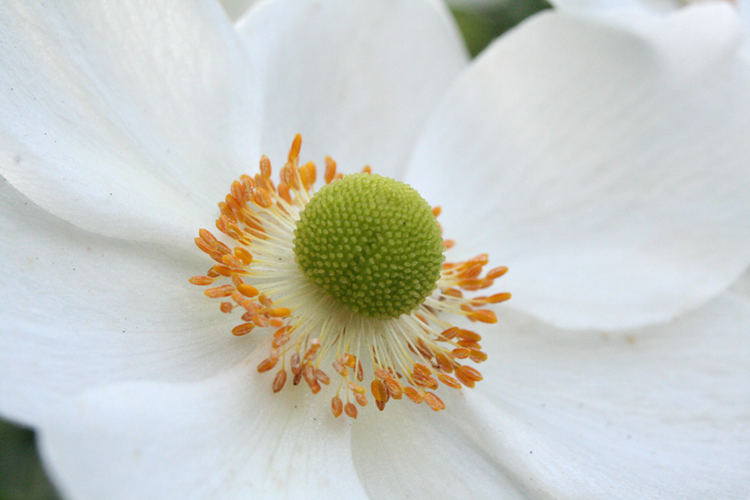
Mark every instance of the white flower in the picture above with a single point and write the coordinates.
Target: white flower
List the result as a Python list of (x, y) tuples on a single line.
[(607, 167)]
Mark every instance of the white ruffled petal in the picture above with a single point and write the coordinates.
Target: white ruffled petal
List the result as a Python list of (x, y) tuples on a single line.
[(80, 310), (125, 118), (357, 79), (605, 167), (228, 437)]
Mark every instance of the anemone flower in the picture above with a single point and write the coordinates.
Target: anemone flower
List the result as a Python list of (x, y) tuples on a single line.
[(605, 166)]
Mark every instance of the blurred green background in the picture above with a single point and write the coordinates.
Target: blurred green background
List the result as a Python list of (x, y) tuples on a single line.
[(480, 21)]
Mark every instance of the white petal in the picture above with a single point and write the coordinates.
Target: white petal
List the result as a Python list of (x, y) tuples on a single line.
[(409, 451), (607, 169), (80, 310), (357, 79), (125, 118), (654, 413), (228, 437)]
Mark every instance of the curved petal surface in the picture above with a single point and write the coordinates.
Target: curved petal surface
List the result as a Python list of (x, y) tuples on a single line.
[(125, 118), (606, 167), (660, 412), (357, 79), (80, 310), (409, 451), (227, 437)]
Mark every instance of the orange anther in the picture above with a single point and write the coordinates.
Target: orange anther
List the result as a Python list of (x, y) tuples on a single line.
[(428, 382), (461, 352), (449, 381), (244, 256), (413, 394), (340, 368), (498, 297), (360, 398), (226, 307), (263, 299), (219, 291), (437, 210), (284, 193), (337, 406), (330, 169), (469, 335), (205, 247), (309, 373), (308, 174), (232, 261), (222, 270), (312, 350), (449, 243), (379, 392), (322, 377), (484, 315), (395, 389), (470, 344), (434, 402), (265, 167), (453, 292), (469, 372), (481, 259), (445, 363), (356, 388), (350, 360), (450, 332), (247, 290), (350, 410), (296, 146), (279, 312), (279, 381), (242, 329), (295, 363), (261, 198), (478, 356), (267, 364), (201, 280), (206, 236), (420, 369), (496, 272), (367, 169)]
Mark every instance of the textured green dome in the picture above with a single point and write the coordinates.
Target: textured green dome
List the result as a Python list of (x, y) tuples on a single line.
[(371, 242)]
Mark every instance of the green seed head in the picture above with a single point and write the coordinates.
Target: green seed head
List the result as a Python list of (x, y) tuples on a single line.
[(372, 243)]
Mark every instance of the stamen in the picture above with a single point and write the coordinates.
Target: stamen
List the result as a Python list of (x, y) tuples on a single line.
[(410, 350)]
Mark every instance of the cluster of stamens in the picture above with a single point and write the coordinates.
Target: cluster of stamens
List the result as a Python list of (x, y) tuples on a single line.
[(409, 355)]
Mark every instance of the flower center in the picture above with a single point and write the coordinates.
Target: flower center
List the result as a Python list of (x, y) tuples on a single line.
[(350, 279), (371, 242)]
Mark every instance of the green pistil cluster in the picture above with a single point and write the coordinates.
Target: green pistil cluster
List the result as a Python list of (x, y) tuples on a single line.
[(372, 243)]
